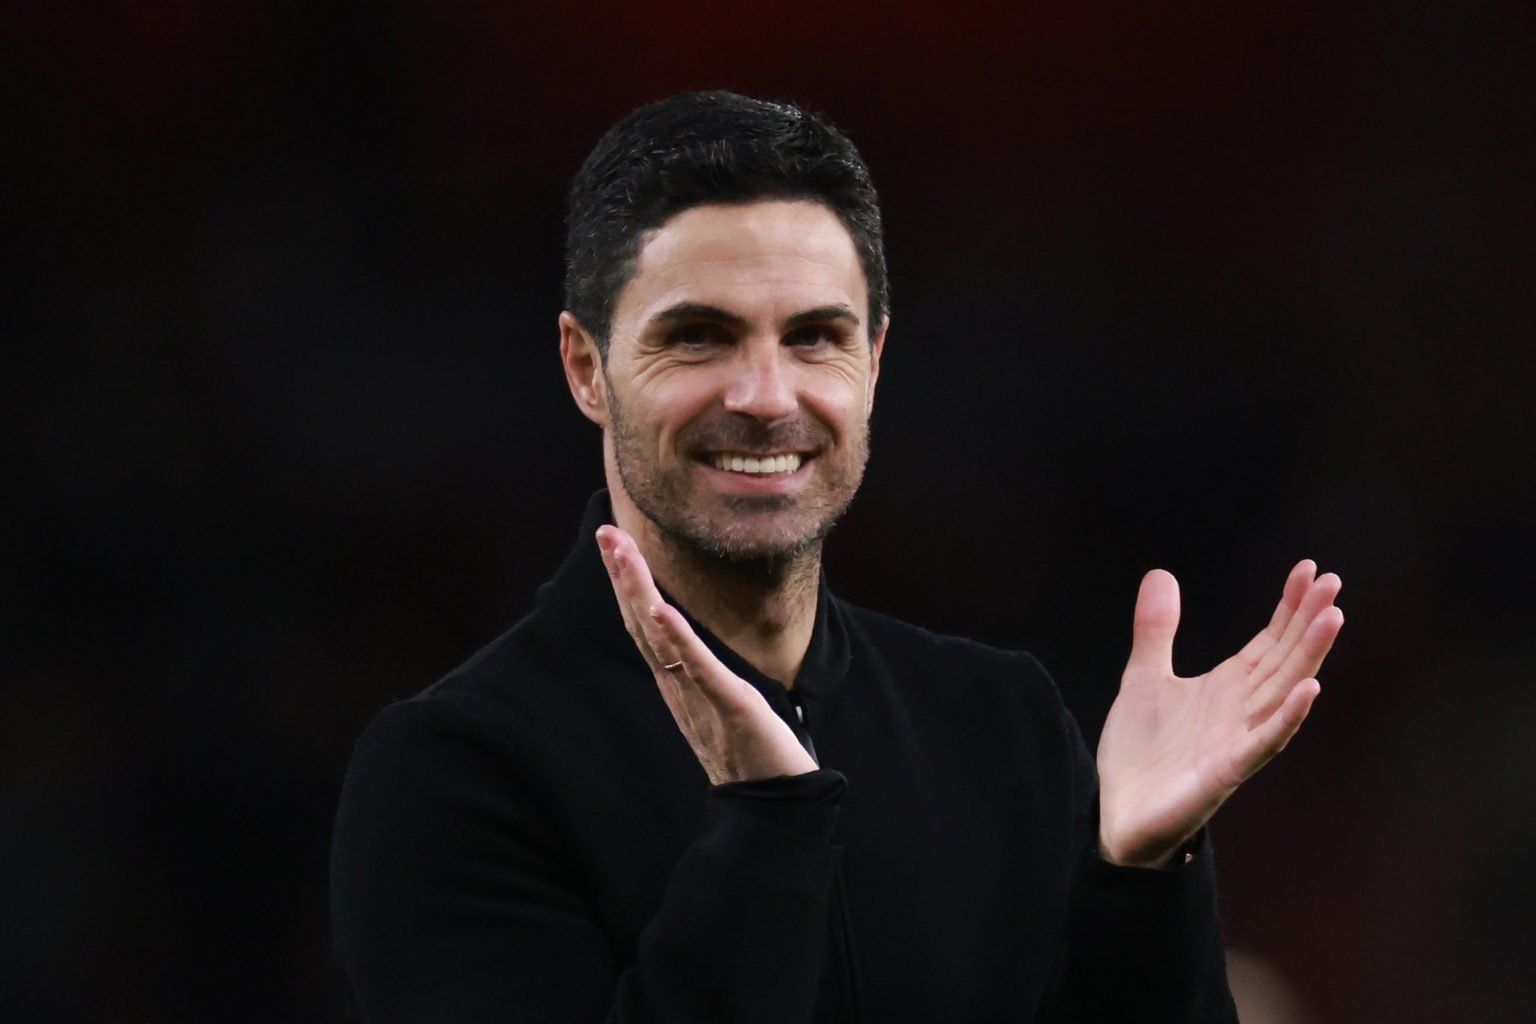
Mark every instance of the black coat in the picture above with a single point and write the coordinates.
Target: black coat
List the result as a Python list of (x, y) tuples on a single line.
[(531, 839)]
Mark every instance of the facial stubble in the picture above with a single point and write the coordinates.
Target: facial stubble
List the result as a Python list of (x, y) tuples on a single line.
[(719, 528)]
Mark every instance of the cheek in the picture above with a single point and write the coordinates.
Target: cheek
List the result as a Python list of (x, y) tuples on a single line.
[(668, 412), (842, 403)]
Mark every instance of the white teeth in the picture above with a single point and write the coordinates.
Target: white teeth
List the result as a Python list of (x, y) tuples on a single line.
[(757, 465)]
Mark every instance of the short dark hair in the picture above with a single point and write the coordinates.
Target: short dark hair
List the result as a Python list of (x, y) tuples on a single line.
[(700, 148)]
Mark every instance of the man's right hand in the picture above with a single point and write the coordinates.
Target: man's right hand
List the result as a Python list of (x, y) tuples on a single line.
[(734, 733)]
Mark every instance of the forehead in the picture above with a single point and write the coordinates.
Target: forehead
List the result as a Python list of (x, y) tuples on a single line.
[(758, 259)]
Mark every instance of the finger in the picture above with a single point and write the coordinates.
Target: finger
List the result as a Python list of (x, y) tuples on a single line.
[(698, 668), (644, 600), (667, 636), (638, 599), (676, 670), (639, 586), (1304, 661), (1154, 624), (1319, 595), (606, 541), (1296, 583), (624, 573), (1271, 736), (679, 692)]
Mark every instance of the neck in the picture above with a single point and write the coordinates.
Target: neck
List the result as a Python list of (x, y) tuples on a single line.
[(763, 611)]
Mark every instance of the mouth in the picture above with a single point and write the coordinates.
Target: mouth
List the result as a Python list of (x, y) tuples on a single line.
[(759, 464), (760, 474)]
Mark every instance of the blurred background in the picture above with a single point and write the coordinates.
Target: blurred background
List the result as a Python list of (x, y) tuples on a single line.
[(1185, 284)]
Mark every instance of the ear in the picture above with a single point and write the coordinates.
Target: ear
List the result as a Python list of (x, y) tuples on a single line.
[(876, 348), (583, 369)]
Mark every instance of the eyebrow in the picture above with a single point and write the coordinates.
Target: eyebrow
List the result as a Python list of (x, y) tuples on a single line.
[(688, 311), (691, 311), (824, 314)]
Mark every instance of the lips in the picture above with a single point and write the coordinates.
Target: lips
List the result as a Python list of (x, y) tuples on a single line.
[(734, 435)]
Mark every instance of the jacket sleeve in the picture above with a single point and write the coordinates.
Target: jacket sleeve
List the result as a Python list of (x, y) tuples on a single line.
[(1140, 944), (453, 903)]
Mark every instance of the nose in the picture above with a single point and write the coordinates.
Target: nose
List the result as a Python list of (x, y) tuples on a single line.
[(762, 383)]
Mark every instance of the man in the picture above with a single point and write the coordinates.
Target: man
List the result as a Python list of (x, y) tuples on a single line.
[(693, 785)]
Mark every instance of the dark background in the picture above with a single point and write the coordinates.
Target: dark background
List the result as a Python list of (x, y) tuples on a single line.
[(1180, 284)]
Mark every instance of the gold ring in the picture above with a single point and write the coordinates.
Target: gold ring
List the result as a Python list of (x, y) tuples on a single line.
[(673, 667)]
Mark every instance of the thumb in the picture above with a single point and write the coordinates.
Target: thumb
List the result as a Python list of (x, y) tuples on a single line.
[(1157, 619)]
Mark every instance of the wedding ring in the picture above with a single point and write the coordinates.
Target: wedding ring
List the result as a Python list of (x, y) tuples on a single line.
[(673, 667)]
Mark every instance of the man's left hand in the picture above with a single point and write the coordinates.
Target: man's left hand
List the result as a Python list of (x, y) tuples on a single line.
[(1173, 749)]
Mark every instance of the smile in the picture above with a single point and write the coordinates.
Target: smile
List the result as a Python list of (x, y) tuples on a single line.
[(757, 465)]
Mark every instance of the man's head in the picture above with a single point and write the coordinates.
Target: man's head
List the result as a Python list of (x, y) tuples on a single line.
[(699, 149), (736, 365)]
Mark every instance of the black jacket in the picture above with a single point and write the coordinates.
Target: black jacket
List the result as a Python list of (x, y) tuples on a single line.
[(531, 839)]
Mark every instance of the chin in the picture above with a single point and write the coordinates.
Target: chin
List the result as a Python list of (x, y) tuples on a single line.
[(749, 543)]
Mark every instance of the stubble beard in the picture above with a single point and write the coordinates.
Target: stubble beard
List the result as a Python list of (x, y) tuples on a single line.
[(728, 530)]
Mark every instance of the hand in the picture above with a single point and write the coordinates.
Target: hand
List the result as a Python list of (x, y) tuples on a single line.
[(734, 733), (1174, 749)]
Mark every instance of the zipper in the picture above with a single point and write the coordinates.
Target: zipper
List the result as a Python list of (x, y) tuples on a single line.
[(801, 732), (853, 984)]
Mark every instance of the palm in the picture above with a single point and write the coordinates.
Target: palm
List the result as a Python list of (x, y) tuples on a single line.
[(1173, 749)]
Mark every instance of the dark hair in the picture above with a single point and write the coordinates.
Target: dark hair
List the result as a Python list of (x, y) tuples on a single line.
[(701, 148)]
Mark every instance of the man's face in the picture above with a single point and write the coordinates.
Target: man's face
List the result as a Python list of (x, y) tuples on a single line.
[(740, 377)]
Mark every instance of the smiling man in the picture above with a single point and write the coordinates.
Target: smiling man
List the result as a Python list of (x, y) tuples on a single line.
[(693, 784), (735, 396)]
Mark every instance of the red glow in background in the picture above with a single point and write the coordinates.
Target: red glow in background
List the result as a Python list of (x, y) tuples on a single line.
[(1179, 285)]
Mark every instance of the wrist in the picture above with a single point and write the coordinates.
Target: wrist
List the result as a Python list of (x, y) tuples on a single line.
[(1154, 860)]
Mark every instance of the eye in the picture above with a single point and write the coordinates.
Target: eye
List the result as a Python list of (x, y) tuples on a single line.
[(697, 336), (813, 336)]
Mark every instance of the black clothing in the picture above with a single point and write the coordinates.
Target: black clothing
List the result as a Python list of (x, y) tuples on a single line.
[(532, 839)]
